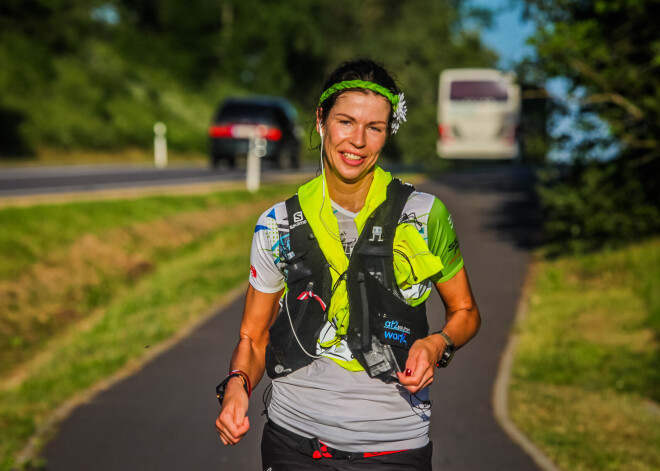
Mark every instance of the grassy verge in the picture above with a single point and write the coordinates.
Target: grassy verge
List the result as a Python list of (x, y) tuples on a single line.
[(586, 382), (88, 286)]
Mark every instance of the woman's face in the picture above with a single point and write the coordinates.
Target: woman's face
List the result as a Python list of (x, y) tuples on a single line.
[(354, 134)]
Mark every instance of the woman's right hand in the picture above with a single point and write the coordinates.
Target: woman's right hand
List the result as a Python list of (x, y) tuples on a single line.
[(232, 423), (250, 358)]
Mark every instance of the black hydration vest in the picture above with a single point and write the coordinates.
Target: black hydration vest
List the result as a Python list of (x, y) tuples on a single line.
[(382, 326)]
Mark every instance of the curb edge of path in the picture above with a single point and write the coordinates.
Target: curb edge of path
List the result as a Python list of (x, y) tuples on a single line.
[(46, 431), (500, 390)]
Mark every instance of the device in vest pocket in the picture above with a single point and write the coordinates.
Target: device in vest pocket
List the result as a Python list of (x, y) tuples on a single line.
[(380, 360)]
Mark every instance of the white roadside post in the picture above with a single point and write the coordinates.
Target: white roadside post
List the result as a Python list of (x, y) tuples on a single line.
[(256, 151), (160, 145)]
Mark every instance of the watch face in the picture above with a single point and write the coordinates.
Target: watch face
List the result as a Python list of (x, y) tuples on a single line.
[(446, 356), (220, 390)]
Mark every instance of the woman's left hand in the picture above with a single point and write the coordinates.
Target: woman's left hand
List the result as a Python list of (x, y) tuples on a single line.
[(420, 365), (462, 323)]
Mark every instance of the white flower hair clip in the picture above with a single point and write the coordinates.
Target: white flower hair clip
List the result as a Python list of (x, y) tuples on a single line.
[(400, 111)]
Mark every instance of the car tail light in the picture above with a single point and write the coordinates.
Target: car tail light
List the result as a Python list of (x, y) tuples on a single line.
[(272, 134), (244, 131), (220, 131)]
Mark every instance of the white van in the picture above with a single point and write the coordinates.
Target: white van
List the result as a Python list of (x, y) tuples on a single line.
[(478, 114)]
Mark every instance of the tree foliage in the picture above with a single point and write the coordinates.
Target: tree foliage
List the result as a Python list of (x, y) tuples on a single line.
[(593, 207), (98, 73), (608, 51)]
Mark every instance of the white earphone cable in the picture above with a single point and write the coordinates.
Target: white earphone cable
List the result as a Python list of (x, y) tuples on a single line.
[(335, 236), (286, 305)]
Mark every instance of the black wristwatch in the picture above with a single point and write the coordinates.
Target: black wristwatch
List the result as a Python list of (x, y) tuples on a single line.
[(220, 388), (448, 353)]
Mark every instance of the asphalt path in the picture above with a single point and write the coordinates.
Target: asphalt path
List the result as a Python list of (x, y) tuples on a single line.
[(162, 417), (87, 178)]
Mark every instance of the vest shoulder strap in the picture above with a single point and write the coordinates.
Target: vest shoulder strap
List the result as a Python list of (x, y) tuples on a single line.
[(300, 232), (381, 225)]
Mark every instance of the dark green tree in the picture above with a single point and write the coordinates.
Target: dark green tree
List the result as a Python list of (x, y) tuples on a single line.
[(98, 73), (608, 51)]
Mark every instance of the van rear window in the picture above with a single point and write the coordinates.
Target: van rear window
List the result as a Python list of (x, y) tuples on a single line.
[(479, 90)]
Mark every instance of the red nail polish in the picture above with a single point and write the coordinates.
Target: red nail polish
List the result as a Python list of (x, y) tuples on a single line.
[(408, 372)]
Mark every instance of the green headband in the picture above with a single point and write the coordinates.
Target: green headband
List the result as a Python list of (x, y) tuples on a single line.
[(374, 87)]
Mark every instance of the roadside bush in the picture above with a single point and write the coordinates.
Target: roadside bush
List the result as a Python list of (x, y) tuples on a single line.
[(96, 99), (595, 206)]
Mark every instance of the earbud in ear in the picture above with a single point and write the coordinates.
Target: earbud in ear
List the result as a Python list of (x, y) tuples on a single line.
[(320, 131)]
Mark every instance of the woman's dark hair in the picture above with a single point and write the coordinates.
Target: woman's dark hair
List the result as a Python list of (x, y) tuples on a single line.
[(358, 69)]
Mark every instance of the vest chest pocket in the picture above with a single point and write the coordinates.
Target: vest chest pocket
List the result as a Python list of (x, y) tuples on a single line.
[(385, 317), (398, 324), (297, 270), (294, 334), (377, 261)]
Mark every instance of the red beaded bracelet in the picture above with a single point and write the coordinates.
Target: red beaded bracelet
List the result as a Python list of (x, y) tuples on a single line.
[(245, 377)]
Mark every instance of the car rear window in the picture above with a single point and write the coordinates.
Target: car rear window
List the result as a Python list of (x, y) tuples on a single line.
[(479, 90), (246, 112)]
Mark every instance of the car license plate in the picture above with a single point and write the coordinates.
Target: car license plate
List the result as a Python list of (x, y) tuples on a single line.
[(242, 131)]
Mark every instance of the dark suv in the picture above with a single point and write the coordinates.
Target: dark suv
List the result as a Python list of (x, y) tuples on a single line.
[(274, 119)]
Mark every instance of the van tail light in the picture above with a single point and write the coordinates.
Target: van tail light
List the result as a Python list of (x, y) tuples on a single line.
[(220, 131), (444, 132), (513, 135)]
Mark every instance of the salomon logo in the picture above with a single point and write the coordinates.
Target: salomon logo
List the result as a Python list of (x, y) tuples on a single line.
[(298, 219)]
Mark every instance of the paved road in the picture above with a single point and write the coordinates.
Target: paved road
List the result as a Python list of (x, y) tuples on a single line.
[(85, 178), (162, 418)]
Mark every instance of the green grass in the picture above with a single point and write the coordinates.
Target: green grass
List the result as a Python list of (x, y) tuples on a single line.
[(153, 266), (586, 378), (64, 261), (30, 234)]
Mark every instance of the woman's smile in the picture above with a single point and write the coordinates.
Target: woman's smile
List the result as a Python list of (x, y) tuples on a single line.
[(351, 159)]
